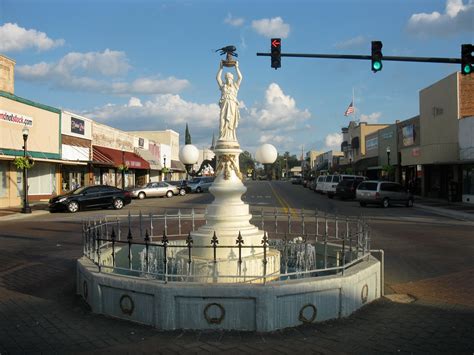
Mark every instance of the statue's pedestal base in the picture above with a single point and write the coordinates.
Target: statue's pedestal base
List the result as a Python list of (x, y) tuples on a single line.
[(227, 216), (228, 270)]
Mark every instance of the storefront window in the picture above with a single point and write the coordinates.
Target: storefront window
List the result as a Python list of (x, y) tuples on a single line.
[(130, 179), (96, 176), (3, 179), (41, 179), (468, 180), (72, 177)]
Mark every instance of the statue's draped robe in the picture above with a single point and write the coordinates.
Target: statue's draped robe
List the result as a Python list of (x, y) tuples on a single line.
[(230, 115)]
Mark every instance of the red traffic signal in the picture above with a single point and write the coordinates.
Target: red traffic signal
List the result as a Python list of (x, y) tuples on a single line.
[(275, 50)]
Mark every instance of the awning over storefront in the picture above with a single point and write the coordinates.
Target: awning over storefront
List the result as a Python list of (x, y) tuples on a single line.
[(44, 160), (100, 158), (366, 163), (176, 165), (150, 158), (118, 157)]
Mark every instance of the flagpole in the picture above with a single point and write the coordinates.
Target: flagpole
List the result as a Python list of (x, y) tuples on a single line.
[(354, 105)]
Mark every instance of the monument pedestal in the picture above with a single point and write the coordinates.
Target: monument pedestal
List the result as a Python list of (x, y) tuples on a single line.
[(227, 216)]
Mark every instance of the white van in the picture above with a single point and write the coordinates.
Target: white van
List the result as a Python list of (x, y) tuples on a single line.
[(330, 187), (319, 182)]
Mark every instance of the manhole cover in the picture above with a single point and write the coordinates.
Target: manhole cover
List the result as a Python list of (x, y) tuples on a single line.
[(400, 298)]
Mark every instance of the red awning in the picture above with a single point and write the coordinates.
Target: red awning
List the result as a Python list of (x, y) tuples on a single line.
[(99, 158), (118, 157)]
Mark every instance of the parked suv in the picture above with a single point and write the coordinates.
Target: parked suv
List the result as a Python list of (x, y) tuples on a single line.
[(330, 187), (182, 186), (346, 189), (201, 184), (383, 193)]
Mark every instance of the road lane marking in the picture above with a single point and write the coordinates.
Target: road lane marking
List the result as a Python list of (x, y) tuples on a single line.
[(286, 206)]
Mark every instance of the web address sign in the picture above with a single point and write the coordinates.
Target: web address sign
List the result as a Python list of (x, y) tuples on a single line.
[(10, 117)]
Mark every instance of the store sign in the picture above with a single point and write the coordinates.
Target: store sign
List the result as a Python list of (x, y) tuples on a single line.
[(77, 126), (408, 133), (10, 117), (372, 143), (387, 135), (133, 164)]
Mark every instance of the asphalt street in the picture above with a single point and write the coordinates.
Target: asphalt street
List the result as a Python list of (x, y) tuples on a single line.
[(427, 256)]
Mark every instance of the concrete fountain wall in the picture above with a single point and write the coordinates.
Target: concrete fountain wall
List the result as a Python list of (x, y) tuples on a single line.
[(253, 307)]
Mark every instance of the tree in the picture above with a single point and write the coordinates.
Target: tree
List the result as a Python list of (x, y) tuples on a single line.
[(246, 163), (187, 136)]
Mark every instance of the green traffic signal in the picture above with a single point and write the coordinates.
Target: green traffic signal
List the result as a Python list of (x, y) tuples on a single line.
[(376, 56), (467, 59)]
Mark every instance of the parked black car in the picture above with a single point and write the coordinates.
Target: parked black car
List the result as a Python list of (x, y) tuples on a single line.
[(346, 189), (182, 186), (98, 196)]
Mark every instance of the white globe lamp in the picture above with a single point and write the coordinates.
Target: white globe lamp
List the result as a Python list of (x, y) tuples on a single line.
[(189, 154), (266, 154)]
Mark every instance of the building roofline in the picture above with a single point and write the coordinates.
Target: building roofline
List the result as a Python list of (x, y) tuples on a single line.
[(22, 100)]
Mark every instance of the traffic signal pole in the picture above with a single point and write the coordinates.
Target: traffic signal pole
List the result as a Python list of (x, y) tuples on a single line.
[(368, 57)]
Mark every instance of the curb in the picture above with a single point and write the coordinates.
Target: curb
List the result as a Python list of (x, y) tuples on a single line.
[(446, 212), (15, 216)]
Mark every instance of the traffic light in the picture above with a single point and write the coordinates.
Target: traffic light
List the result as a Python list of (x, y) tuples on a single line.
[(275, 50), (377, 56), (467, 62)]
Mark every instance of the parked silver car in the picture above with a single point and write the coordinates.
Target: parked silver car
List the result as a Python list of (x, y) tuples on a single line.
[(383, 193), (200, 184), (155, 189)]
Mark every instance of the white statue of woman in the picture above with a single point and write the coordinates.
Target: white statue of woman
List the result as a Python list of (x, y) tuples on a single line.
[(229, 115)]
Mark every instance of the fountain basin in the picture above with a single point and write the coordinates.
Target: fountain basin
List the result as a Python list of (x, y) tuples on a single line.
[(230, 306)]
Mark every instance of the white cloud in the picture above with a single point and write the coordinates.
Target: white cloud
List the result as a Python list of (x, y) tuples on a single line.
[(352, 42), (458, 17), (88, 71), (275, 139), (161, 111), (278, 111), (16, 38), (274, 27), (108, 63), (333, 141), (234, 21), (372, 118), (134, 102)]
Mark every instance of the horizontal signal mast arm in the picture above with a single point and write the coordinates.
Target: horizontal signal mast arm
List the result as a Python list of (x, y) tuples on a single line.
[(368, 57)]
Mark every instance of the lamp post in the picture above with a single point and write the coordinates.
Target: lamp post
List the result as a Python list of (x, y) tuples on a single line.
[(189, 156), (26, 207), (266, 154), (123, 170), (388, 161), (164, 167)]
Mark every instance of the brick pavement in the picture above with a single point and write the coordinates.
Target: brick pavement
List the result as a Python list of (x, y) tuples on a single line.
[(32, 324), (454, 288), (39, 312)]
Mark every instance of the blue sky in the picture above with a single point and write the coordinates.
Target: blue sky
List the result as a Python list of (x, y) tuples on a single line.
[(152, 65)]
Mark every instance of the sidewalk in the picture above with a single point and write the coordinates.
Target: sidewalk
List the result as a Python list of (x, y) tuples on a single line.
[(10, 213), (457, 210)]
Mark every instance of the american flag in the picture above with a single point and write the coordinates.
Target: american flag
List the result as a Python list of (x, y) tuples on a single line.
[(350, 109)]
